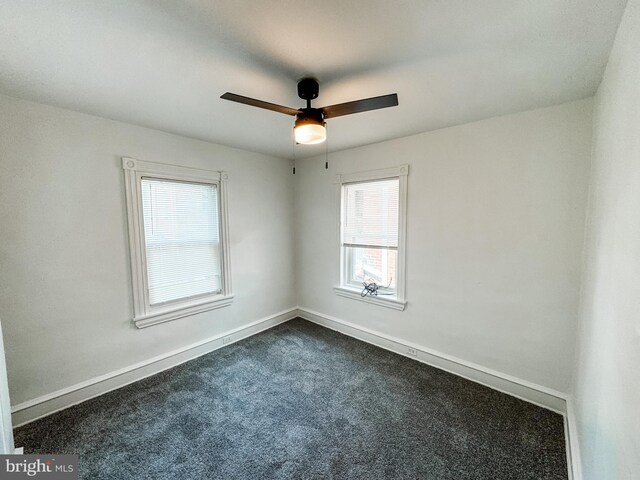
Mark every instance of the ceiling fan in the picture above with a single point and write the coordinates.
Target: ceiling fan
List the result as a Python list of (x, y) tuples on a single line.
[(310, 123)]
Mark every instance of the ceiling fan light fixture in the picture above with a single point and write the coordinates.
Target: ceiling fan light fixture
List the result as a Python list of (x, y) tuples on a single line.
[(310, 128), (310, 134)]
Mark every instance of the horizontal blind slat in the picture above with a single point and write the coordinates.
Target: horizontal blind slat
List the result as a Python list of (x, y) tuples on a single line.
[(361, 245)]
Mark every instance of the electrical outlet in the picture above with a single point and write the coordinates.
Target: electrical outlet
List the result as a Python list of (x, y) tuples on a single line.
[(226, 340), (412, 351)]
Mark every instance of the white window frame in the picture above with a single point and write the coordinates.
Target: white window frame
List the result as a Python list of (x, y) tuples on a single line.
[(145, 314), (343, 289)]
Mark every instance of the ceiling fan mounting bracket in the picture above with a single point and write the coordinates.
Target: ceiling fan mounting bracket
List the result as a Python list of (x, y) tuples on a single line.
[(308, 88)]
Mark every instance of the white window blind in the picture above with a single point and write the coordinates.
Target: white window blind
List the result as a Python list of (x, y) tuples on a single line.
[(371, 214), (370, 231), (182, 239)]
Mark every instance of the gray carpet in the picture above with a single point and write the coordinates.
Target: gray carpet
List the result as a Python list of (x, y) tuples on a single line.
[(301, 401)]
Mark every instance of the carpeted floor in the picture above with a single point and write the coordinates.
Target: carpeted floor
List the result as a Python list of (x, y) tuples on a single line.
[(300, 401)]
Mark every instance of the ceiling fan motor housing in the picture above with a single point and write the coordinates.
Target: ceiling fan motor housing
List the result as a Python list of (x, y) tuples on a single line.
[(310, 116)]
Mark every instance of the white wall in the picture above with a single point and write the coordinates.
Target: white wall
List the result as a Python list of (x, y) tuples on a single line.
[(496, 216), (65, 287), (495, 234), (607, 385)]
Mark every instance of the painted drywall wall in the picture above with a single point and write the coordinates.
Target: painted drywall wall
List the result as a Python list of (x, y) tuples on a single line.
[(607, 384), (495, 229), (65, 286), (494, 239)]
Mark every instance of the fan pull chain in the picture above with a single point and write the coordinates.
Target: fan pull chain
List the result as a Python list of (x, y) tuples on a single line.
[(293, 152), (326, 148)]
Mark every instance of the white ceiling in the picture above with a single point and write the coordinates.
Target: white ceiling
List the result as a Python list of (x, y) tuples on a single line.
[(164, 63)]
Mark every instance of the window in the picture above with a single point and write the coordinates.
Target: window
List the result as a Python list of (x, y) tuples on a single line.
[(370, 232), (372, 235), (178, 238)]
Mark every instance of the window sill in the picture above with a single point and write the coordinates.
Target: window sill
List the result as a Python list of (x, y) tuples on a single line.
[(176, 312), (389, 302)]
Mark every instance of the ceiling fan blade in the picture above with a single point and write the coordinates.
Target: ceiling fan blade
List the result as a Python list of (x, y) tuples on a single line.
[(259, 103), (363, 105)]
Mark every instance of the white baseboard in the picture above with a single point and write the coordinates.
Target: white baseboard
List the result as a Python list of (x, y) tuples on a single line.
[(522, 389), (47, 404), (573, 446)]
